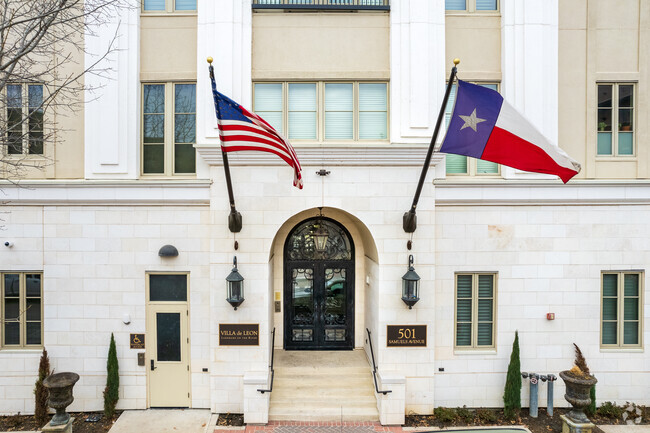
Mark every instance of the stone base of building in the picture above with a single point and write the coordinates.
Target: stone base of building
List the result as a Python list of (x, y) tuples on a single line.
[(570, 426)]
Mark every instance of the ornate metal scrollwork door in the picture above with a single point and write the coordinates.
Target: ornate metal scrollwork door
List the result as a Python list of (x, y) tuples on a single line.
[(318, 288)]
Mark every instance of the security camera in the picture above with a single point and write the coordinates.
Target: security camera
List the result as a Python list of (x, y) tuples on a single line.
[(9, 244)]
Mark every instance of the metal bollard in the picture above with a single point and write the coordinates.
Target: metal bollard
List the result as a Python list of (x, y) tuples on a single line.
[(549, 393), (534, 378)]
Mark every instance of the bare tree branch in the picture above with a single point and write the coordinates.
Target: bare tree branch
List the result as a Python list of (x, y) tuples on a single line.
[(42, 69)]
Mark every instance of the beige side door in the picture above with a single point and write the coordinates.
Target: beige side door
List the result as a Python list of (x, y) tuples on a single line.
[(167, 344)]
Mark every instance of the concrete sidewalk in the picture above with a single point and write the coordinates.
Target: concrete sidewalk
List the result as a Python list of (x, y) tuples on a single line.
[(163, 421), (625, 428)]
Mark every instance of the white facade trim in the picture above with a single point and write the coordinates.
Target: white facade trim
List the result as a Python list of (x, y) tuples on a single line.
[(417, 68), (541, 193), (114, 192), (112, 96), (529, 63)]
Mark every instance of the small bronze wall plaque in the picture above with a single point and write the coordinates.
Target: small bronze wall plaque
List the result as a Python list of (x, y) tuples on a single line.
[(406, 336), (239, 334), (137, 341)]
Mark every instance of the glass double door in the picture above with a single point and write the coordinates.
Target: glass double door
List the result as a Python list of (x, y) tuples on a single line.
[(319, 305)]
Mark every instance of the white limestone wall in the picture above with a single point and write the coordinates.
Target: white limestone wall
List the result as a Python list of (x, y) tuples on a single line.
[(94, 260), (378, 197), (549, 259)]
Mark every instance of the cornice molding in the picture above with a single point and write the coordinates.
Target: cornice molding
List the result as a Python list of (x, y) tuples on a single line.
[(105, 192), (541, 193), (393, 155)]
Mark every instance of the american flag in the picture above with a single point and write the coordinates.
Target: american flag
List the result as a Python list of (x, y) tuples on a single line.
[(241, 129)]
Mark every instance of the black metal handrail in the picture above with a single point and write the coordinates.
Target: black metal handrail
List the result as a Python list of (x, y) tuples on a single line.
[(271, 365), (323, 4), (374, 366)]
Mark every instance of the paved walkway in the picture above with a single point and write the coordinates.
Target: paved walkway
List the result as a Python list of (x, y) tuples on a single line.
[(163, 421)]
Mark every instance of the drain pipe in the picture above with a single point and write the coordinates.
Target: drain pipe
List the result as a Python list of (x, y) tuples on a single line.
[(534, 378), (549, 392)]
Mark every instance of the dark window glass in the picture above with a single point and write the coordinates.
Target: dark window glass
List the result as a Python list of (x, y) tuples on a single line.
[(14, 119), (154, 128), (12, 332), (33, 282), (168, 334), (35, 98), (171, 288), (33, 333), (12, 284)]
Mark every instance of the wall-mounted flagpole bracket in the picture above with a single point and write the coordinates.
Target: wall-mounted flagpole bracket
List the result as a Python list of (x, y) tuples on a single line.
[(410, 220)]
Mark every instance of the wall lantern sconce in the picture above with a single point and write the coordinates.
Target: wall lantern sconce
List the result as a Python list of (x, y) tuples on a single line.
[(235, 286), (410, 285), (168, 251), (321, 234)]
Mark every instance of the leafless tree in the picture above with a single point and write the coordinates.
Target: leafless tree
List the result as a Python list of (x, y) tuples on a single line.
[(42, 69)]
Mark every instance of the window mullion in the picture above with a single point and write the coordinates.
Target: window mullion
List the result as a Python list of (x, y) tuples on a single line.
[(22, 312), (355, 110), (620, 294), (25, 125), (169, 129), (615, 119), (475, 311)]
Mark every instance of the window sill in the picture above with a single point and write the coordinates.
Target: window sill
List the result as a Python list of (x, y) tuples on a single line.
[(167, 177), (472, 14), (475, 351), (622, 350), (36, 351), (617, 158), (169, 14)]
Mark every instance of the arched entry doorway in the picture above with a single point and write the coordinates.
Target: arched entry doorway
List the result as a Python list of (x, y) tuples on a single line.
[(318, 287)]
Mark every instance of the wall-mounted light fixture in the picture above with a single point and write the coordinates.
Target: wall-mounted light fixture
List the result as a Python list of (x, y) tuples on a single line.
[(320, 234), (410, 285), (235, 286), (168, 251)]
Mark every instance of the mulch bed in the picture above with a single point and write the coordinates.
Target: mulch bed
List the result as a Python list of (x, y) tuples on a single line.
[(542, 424), (231, 419), (79, 425)]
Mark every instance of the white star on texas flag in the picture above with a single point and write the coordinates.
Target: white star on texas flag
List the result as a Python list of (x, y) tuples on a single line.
[(471, 121)]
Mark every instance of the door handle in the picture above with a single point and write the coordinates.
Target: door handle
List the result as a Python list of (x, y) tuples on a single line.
[(152, 366)]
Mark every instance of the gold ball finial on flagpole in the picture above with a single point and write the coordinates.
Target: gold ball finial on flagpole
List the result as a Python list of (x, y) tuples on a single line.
[(210, 60), (456, 61)]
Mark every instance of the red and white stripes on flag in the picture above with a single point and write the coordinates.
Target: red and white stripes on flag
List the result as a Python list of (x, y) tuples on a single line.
[(241, 129)]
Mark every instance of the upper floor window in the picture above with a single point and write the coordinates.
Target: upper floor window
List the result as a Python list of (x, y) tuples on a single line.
[(168, 129), (24, 119), (22, 309), (475, 311), (622, 307), (460, 164), (169, 5), (615, 119), (311, 5), (471, 5), (324, 111)]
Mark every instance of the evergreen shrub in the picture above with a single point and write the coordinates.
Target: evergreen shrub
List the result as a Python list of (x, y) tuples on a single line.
[(111, 392), (512, 392)]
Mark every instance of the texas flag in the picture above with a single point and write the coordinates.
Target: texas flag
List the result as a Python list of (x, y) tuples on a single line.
[(484, 126)]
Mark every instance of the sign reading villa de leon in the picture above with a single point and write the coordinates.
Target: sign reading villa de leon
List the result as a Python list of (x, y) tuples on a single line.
[(239, 334), (406, 336)]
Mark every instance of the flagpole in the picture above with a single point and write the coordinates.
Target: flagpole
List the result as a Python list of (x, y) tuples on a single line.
[(409, 220), (234, 218)]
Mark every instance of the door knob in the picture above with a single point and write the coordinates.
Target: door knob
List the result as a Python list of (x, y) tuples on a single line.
[(152, 366)]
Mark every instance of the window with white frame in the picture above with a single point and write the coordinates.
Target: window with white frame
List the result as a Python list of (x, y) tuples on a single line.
[(460, 164), (168, 129), (22, 309), (169, 5), (472, 5), (325, 111), (622, 307), (615, 119), (24, 119), (475, 311)]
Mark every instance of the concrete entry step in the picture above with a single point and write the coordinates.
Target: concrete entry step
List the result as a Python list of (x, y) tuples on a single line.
[(323, 386), (162, 421)]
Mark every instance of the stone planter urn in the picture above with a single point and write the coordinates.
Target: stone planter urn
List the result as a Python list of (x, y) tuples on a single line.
[(577, 393), (60, 387)]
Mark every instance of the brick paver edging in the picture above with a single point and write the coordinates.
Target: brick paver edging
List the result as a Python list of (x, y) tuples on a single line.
[(315, 427)]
